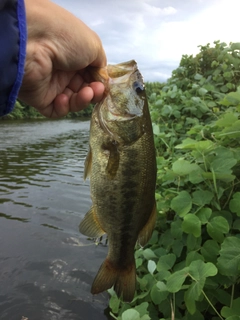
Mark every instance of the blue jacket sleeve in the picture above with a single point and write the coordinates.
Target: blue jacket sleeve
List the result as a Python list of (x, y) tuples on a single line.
[(13, 39)]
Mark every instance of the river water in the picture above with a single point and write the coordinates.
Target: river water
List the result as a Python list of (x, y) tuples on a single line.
[(46, 265)]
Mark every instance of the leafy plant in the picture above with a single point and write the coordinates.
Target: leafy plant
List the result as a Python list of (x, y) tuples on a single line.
[(191, 266)]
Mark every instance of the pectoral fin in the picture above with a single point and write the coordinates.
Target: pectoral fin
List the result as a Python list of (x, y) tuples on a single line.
[(90, 225), (88, 165), (146, 232)]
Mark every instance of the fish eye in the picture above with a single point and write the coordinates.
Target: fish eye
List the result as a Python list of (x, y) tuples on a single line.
[(138, 87)]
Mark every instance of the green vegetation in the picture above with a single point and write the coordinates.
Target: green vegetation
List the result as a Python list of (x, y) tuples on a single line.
[(23, 111), (191, 266)]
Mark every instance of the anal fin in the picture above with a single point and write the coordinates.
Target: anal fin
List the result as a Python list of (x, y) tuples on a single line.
[(90, 225), (146, 232)]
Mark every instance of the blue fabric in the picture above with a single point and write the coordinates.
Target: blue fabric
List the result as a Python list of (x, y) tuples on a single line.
[(13, 39)]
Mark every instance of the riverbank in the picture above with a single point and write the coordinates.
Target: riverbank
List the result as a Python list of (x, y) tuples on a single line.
[(23, 111)]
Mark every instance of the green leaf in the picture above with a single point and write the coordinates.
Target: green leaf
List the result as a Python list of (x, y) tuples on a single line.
[(202, 91), (151, 266), (148, 254), (114, 302), (236, 224), (198, 76), (191, 224), (210, 250), (192, 242), (139, 262), (131, 314), (159, 292), (145, 317), (191, 295), (201, 270), (200, 146), (226, 120), (182, 203), (202, 197), (175, 281), (198, 271), (156, 130), (204, 214), (193, 256), (232, 98), (187, 144), (229, 260), (235, 46), (233, 311), (196, 176), (142, 309), (196, 316), (222, 165), (234, 204), (176, 229), (217, 227), (182, 167), (166, 262)]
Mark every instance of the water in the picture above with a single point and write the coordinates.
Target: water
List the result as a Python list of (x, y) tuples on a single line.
[(46, 265)]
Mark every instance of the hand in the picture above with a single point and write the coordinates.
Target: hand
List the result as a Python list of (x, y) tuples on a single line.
[(60, 48)]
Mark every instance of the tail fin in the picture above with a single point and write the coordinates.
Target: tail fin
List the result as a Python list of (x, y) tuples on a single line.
[(123, 280)]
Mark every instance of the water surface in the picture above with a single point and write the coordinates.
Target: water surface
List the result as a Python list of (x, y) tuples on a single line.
[(46, 265)]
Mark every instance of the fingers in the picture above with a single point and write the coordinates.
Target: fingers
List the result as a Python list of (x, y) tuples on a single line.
[(98, 89), (93, 93), (70, 101), (77, 85)]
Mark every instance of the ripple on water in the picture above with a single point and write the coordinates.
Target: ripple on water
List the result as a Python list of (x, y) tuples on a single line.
[(46, 266)]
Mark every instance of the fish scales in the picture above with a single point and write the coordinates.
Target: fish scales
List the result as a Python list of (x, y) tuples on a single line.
[(122, 167)]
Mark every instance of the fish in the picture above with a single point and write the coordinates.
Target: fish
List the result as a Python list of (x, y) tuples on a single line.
[(121, 165)]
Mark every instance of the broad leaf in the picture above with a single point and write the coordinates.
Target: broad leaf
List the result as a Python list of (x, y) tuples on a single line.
[(210, 250), (204, 214), (131, 314), (233, 311), (234, 204), (202, 197), (201, 270), (159, 292), (229, 260), (151, 266), (166, 262), (183, 167), (175, 281), (191, 224), (217, 227), (182, 203)]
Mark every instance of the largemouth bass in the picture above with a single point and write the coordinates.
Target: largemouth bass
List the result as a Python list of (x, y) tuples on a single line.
[(121, 164)]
